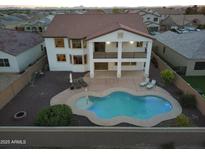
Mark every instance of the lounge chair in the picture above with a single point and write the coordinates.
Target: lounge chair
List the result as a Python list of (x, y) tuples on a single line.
[(151, 84), (76, 84), (83, 83), (142, 84)]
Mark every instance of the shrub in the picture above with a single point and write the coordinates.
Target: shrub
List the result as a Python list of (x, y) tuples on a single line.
[(183, 121), (167, 76), (169, 145), (187, 101), (57, 115)]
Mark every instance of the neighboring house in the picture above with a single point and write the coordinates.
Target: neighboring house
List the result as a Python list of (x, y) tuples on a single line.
[(38, 25), (94, 11), (167, 11), (19, 49), (150, 18), (182, 20), (112, 42), (184, 52)]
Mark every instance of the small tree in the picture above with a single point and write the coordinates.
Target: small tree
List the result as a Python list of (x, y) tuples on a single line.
[(57, 115), (167, 76), (183, 121)]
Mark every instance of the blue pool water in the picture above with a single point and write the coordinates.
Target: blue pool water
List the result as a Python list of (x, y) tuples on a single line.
[(124, 104)]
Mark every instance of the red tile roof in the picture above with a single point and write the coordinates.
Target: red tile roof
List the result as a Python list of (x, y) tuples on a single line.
[(93, 25)]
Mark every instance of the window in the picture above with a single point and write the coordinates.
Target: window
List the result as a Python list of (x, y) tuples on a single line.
[(116, 44), (77, 60), (199, 66), (85, 59), (76, 43), (4, 63), (155, 19), (59, 42), (164, 50), (61, 57), (69, 43), (148, 18), (139, 44)]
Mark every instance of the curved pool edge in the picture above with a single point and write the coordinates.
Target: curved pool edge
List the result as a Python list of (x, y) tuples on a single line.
[(176, 108)]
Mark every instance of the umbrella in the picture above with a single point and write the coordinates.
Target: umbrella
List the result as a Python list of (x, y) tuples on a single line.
[(71, 78)]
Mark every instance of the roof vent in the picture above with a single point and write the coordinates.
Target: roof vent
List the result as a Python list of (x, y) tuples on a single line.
[(120, 35)]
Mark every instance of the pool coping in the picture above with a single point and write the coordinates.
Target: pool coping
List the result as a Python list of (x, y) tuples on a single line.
[(176, 108)]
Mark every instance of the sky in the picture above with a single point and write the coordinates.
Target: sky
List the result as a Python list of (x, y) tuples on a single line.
[(101, 3)]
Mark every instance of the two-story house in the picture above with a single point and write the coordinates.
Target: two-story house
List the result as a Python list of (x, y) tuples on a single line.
[(93, 42)]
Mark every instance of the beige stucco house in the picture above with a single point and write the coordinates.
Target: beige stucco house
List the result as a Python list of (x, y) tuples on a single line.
[(95, 42)]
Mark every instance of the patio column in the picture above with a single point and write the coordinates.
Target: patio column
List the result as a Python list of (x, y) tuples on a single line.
[(91, 63), (149, 52), (119, 57)]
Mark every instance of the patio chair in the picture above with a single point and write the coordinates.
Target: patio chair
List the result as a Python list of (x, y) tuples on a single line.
[(142, 84), (83, 83), (76, 84), (151, 84)]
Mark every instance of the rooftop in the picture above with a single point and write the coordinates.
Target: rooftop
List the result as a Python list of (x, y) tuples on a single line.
[(93, 25), (190, 45), (15, 42)]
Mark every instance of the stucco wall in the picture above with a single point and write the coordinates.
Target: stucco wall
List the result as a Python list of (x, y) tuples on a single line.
[(15, 87), (29, 56), (54, 65), (12, 61)]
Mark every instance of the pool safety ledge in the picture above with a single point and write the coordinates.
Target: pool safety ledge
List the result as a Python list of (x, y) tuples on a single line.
[(176, 108)]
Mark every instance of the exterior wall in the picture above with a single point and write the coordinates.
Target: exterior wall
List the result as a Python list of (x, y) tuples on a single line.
[(12, 61), (29, 57), (54, 65)]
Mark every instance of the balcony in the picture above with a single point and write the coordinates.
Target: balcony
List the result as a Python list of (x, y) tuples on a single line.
[(113, 55), (134, 55), (104, 55)]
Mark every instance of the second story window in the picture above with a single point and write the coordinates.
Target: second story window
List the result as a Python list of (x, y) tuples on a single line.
[(155, 19), (139, 44), (59, 42), (76, 43)]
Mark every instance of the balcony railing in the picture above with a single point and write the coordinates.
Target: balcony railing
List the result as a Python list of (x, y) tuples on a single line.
[(102, 55), (113, 55), (134, 55)]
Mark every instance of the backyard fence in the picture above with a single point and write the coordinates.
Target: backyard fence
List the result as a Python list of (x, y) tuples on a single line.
[(100, 137), (22, 80), (182, 84)]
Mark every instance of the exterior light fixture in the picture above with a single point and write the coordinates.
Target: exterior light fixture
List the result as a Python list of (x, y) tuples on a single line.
[(107, 42), (131, 42)]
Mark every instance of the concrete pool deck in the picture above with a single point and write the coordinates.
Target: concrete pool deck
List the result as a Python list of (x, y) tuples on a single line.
[(105, 83)]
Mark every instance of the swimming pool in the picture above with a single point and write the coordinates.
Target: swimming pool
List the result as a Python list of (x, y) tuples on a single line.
[(124, 104)]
